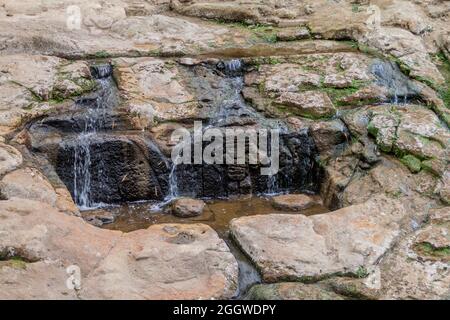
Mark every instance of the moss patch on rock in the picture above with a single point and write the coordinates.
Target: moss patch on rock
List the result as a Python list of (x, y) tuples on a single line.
[(414, 165)]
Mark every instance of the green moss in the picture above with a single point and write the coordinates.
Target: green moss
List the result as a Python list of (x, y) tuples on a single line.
[(101, 54), (413, 164), (361, 272), (428, 249), (15, 262)]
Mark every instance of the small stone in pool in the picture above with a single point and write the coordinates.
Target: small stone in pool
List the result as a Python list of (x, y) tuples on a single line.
[(187, 208)]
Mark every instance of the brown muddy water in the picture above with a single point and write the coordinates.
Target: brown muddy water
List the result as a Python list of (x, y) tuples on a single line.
[(217, 214)]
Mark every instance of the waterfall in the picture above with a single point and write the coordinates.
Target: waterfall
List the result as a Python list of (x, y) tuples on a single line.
[(389, 75), (94, 120)]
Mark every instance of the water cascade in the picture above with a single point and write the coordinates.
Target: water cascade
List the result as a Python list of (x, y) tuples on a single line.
[(94, 121)]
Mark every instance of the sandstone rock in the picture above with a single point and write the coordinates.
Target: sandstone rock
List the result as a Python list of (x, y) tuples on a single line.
[(295, 247), (293, 202), (10, 158), (153, 90), (409, 49), (328, 134), (29, 81), (186, 208), (64, 202), (309, 103), (162, 262), (290, 291), (42, 280), (410, 130), (293, 34), (416, 270), (166, 262), (226, 11), (439, 216), (28, 183)]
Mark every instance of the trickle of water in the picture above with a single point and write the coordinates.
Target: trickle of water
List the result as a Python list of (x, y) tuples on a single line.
[(101, 71), (94, 120)]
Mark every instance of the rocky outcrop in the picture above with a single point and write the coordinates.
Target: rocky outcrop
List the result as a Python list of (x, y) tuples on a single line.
[(414, 133), (34, 85), (162, 262)]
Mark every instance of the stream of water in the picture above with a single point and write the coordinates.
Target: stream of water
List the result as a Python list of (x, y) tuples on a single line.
[(94, 121)]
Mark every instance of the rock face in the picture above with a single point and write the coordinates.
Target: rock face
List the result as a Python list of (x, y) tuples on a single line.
[(295, 247), (162, 262), (29, 83), (361, 102), (186, 208)]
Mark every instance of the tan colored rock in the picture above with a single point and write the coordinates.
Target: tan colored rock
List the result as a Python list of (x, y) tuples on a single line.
[(293, 202), (166, 262), (28, 183), (297, 247), (308, 103), (412, 130), (413, 270), (162, 262), (27, 82), (439, 216), (408, 48), (65, 203), (42, 280), (154, 90), (187, 208), (10, 158)]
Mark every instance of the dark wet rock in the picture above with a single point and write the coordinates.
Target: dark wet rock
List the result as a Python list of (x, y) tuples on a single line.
[(327, 135), (400, 87), (187, 208), (122, 169)]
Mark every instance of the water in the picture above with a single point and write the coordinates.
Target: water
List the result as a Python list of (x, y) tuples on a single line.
[(389, 75), (94, 121), (228, 109)]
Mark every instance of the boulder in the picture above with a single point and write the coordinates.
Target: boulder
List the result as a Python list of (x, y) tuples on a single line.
[(166, 262), (162, 262), (296, 247), (28, 183), (187, 208), (293, 202)]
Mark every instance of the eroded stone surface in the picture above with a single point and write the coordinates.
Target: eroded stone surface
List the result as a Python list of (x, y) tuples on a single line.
[(185, 207), (293, 247), (188, 261), (293, 202)]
